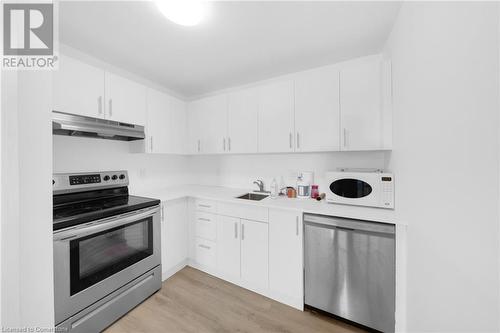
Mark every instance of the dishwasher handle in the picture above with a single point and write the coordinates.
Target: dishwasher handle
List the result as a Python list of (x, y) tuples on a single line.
[(349, 224)]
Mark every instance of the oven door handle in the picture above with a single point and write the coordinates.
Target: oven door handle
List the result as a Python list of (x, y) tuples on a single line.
[(105, 224)]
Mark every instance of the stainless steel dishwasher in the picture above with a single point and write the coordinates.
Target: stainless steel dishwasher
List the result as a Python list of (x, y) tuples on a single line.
[(350, 269)]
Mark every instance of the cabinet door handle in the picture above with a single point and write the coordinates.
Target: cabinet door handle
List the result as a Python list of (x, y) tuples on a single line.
[(242, 231), (99, 105), (224, 144), (110, 107), (229, 143), (198, 145), (297, 225), (204, 219), (235, 230), (298, 140), (204, 246), (204, 206), (290, 139), (151, 143)]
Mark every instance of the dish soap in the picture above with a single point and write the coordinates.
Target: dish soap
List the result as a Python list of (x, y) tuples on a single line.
[(274, 188)]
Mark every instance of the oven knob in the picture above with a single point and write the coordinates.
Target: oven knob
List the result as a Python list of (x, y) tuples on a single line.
[(106, 178), (115, 177), (122, 176), (53, 181)]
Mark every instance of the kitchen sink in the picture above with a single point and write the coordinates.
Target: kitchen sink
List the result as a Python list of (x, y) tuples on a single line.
[(253, 196)]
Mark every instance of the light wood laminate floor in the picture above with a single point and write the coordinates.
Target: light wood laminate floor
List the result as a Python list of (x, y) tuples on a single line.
[(192, 301)]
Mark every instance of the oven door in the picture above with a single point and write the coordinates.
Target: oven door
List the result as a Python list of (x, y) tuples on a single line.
[(94, 259), (352, 188)]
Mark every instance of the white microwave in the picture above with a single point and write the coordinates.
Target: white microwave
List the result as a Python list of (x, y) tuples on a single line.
[(371, 189)]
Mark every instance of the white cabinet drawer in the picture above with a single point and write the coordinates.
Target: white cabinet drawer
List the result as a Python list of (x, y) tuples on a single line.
[(205, 206), (205, 225), (248, 212), (205, 252)]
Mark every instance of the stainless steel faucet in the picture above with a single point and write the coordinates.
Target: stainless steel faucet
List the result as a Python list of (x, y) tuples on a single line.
[(260, 184)]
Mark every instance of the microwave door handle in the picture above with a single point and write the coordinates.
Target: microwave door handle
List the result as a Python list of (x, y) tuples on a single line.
[(104, 224)]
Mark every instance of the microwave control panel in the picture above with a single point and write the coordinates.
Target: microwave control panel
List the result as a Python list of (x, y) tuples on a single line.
[(387, 194)]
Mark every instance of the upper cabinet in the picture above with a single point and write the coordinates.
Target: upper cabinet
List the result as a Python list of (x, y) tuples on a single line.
[(89, 91), (166, 124), (158, 122), (341, 107), (317, 110), (208, 125), (276, 117), (242, 121), (125, 100), (78, 88), (364, 100)]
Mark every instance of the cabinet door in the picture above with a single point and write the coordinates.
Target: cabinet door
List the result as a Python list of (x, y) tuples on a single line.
[(158, 123), (214, 124), (125, 100), (285, 256), (317, 110), (209, 119), (78, 88), (174, 241), (194, 127), (228, 246), (361, 105), (276, 119), (243, 126), (178, 130), (254, 253)]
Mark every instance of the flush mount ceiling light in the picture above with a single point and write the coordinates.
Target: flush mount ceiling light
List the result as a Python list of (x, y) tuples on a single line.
[(183, 12)]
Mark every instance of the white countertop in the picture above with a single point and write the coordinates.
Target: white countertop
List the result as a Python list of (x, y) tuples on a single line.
[(226, 194)]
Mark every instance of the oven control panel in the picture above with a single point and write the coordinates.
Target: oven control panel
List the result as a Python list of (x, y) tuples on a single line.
[(72, 182), (86, 179)]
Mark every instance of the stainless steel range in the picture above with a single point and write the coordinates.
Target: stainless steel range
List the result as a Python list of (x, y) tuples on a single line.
[(106, 249)]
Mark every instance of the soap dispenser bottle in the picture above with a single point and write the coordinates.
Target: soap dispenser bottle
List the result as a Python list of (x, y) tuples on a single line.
[(274, 188)]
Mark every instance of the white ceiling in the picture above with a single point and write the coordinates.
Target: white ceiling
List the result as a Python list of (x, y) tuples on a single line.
[(241, 42)]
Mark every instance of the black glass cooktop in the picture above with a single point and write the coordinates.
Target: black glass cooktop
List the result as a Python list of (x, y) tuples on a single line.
[(78, 208)]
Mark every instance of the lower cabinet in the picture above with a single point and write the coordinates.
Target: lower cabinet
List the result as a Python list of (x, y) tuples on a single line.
[(228, 246), (254, 254), (264, 256), (285, 256), (174, 240)]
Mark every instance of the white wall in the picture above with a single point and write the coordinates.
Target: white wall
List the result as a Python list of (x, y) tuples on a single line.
[(146, 171), (445, 157), (27, 271)]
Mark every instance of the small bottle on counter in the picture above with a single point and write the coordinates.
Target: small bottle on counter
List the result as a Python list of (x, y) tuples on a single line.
[(314, 191), (274, 188)]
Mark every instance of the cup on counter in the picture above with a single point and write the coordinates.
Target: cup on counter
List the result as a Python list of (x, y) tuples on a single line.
[(291, 192)]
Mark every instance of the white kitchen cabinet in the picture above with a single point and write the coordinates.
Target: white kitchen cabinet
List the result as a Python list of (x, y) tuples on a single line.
[(174, 242), (125, 100), (78, 88), (228, 246), (254, 254), (317, 110), (361, 105), (158, 122), (178, 126), (208, 125), (166, 124), (285, 256), (242, 124), (276, 117)]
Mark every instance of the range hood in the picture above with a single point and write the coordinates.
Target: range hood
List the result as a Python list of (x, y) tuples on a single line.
[(74, 125)]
